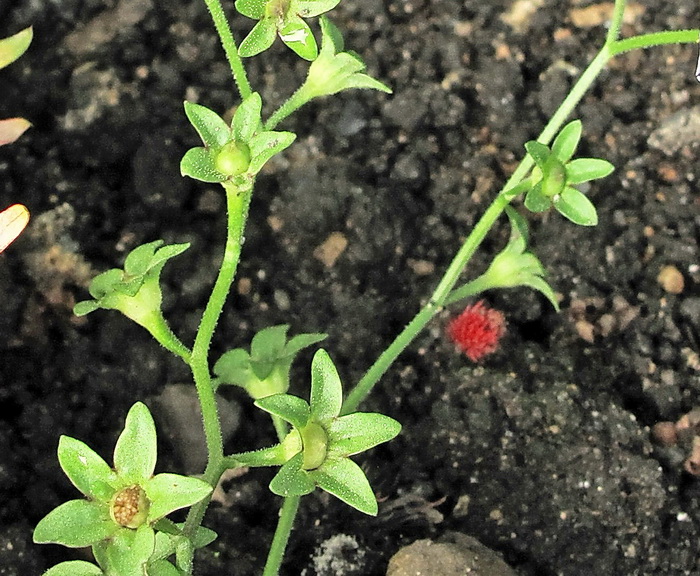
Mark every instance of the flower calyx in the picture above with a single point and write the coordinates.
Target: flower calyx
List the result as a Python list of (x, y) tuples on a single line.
[(555, 175), (316, 452), (231, 154), (283, 18), (264, 370), (124, 507)]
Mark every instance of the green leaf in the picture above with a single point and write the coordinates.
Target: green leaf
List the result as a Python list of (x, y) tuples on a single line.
[(291, 480), (365, 82), (265, 145), (290, 408), (169, 492), (246, 120), (251, 8), (139, 259), (360, 431), (567, 140), (326, 389), (541, 285), (14, 46), (311, 8), (85, 307), (297, 35), (539, 152), (88, 472), (346, 481), (536, 201), (211, 127), (105, 283), (136, 450), (76, 524), (74, 568), (271, 456), (332, 38), (586, 169), (519, 233), (199, 163), (259, 39), (575, 206), (268, 343), (203, 537)]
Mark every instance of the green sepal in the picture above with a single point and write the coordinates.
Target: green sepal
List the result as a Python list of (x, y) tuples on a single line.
[(266, 347), (162, 568), (275, 455), (297, 35), (251, 8), (347, 482), (14, 46), (259, 39), (575, 206), (567, 140), (211, 127), (536, 201), (360, 431), (170, 492), (311, 8), (74, 568), (199, 163), (76, 524), (129, 550), (88, 472), (265, 145), (291, 480), (246, 120), (137, 449), (586, 169), (540, 153), (326, 389), (290, 408)]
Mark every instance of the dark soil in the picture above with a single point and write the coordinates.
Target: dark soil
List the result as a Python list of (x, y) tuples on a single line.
[(543, 451)]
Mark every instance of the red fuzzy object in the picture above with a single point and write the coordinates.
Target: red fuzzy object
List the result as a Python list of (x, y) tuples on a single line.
[(477, 330)]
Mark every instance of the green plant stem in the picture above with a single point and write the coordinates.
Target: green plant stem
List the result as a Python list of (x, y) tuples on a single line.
[(279, 542), (230, 49), (616, 22), (160, 330), (238, 202), (291, 105), (509, 191)]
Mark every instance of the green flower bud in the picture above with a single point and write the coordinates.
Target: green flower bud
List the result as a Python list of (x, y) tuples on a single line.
[(233, 158)]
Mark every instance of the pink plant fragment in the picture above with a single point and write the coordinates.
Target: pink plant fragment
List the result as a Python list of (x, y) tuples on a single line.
[(12, 221), (477, 330), (11, 129)]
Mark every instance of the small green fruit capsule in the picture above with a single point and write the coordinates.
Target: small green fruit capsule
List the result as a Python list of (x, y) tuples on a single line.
[(129, 507), (233, 158), (315, 442), (554, 181)]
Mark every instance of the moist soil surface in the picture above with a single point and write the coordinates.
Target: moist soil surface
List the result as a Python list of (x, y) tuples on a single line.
[(542, 451)]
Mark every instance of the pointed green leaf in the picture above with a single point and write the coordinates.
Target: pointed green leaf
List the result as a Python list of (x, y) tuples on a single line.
[(136, 450), (169, 492), (246, 120), (167, 252), (331, 38), (297, 35), (290, 408), (535, 201), (260, 39), (74, 568), (14, 46), (360, 431), (586, 169), (301, 341), (519, 234), (104, 283), (269, 342), (234, 367), (346, 481), (365, 82), (251, 8), (291, 480), (567, 140), (199, 163), (311, 8), (575, 206), (85, 307), (539, 152), (326, 389), (88, 472), (541, 285), (211, 127), (203, 537), (76, 524), (265, 145)]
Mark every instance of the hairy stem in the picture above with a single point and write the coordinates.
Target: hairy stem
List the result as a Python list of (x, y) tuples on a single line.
[(279, 542)]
